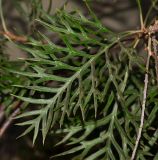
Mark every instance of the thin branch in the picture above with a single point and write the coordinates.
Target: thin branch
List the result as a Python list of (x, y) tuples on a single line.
[(7, 33), (155, 55), (144, 102), (2, 17), (141, 14), (149, 11), (12, 36), (8, 122)]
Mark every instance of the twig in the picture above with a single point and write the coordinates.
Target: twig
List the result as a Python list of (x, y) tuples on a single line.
[(2, 17), (155, 56), (13, 37), (144, 101), (8, 122), (141, 14), (150, 10), (16, 108), (7, 33)]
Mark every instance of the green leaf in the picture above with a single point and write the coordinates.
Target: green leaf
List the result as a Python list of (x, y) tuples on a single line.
[(34, 101), (39, 88)]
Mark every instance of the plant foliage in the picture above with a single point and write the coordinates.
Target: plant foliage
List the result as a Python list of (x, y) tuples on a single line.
[(90, 86)]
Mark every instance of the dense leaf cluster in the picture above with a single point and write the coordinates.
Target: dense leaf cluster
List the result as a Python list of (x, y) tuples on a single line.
[(89, 86)]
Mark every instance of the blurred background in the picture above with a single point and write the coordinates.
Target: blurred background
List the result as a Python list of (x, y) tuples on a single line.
[(118, 15)]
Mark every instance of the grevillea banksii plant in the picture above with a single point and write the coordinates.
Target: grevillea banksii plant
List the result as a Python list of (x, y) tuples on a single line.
[(96, 87)]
